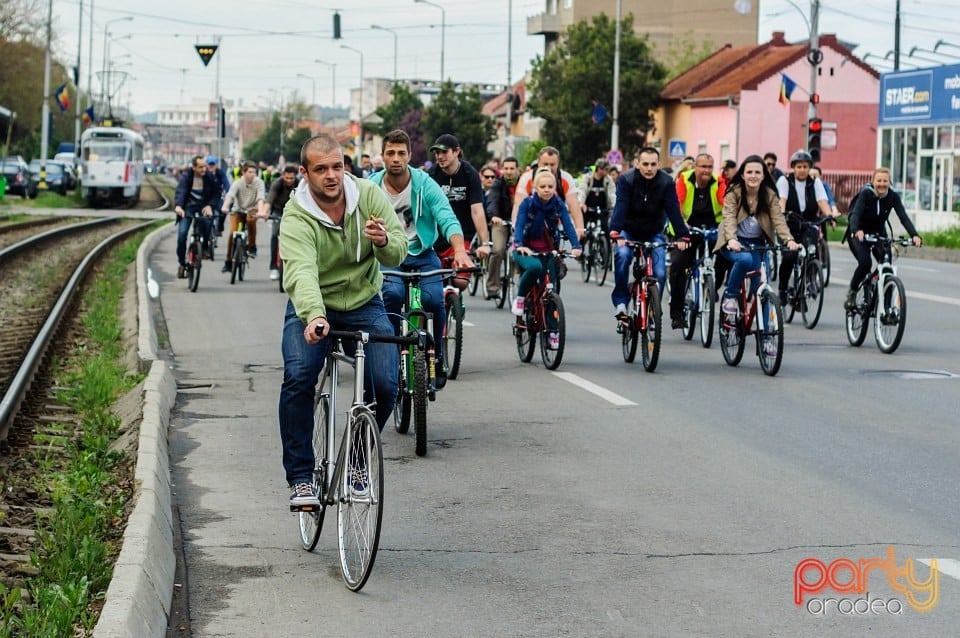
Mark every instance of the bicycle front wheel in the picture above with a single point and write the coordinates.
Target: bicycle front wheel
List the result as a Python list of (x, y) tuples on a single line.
[(811, 304), (794, 293), (506, 280), (478, 276), (586, 259), (858, 318), (707, 309), (554, 333), (194, 261), (453, 334), (420, 401), (525, 330), (891, 318), (630, 329), (602, 259), (311, 522), (402, 408), (235, 254), (690, 308), (360, 508), (652, 332), (730, 331), (823, 254), (769, 332)]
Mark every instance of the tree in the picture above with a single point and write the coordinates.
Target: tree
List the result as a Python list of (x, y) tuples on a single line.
[(460, 113), (578, 72), (402, 102), (267, 146)]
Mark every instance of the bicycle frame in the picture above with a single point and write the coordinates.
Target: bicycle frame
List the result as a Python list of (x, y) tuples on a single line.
[(642, 277), (748, 298)]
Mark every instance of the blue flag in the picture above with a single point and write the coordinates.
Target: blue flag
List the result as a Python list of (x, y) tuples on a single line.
[(599, 113)]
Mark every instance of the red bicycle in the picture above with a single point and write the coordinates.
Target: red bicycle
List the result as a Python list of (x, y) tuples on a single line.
[(543, 316), (642, 322)]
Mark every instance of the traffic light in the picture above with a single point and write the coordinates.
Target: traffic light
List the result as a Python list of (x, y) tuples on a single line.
[(814, 133), (814, 98), (336, 25)]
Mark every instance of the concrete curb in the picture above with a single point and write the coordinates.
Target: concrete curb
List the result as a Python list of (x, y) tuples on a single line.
[(139, 596)]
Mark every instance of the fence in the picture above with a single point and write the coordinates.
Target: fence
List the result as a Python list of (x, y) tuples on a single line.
[(846, 184)]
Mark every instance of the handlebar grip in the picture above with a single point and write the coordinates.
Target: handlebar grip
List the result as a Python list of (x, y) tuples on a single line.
[(410, 338)]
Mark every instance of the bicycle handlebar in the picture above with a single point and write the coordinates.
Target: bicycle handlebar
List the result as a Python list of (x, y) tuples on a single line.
[(883, 239), (703, 232), (412, 337), (420, 274)]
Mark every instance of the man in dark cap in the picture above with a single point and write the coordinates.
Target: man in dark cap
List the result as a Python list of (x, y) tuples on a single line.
[(460, 182)]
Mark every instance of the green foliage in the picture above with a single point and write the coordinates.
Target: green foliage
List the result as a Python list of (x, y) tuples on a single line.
[(267, 146), (530, 152), (943, 239), (402, 102), (460, 113), (293, 142), (579, 71)]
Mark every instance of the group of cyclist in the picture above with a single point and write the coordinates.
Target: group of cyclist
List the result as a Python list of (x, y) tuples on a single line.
[(340, 231)]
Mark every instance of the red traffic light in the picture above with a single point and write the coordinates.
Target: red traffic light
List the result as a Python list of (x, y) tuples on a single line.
[(814, 98), (815, 125)]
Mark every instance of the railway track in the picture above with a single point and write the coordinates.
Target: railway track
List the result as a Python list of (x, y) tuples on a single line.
[(42, 277)]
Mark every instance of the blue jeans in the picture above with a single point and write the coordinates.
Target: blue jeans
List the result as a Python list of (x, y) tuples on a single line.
[(743, 262), (532, 269), (183, 231), (431, 295), (622, 260), (302, 363)]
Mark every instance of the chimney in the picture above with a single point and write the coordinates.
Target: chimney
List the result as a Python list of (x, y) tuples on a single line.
[(778, 39)]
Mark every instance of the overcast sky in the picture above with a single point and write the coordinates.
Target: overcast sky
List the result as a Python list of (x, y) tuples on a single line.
[(268, 44)]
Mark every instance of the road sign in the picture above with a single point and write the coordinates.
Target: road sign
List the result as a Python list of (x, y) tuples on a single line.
[(678, 149), (206, 51), (615, 157)]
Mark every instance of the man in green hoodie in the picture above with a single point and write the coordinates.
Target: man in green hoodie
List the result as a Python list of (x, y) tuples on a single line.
[(423, 209), (335, 233)]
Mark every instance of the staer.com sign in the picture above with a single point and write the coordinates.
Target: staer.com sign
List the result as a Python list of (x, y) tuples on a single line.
[(925, 95)]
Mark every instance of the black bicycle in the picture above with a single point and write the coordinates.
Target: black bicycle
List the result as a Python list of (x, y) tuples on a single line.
[(595, 259), (805, 290)]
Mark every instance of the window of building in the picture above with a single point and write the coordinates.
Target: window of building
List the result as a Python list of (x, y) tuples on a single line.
[(724, 152), (944, 137), (552, 7), (926, 137)]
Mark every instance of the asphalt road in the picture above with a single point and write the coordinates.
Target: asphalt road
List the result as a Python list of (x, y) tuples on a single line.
[(545, 509)]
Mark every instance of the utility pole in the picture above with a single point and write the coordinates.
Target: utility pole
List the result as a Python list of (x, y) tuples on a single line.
[(507, 132), (615, 127), (76, 77), (814, 56), (45, 111)]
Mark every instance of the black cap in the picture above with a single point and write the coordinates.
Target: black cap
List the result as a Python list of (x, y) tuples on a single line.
[(729, 163), (445, 142)]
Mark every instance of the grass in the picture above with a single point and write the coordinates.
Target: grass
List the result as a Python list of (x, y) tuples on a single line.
[(46, 199), (79, 537), (943, 239)]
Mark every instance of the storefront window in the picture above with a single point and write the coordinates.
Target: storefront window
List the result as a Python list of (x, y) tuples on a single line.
[(926, 137), (886, 148), (926, 183), (944, 137)]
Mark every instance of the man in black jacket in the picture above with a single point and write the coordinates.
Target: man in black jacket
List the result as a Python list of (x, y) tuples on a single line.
[(646, 199), (195, 196)]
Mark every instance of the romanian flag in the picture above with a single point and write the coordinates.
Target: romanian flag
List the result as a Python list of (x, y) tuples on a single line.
[(88, 115), (786, 88), (62, 97)]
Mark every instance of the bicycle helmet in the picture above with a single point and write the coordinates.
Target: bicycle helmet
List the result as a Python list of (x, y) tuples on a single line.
[(801, 156), (212, 159)]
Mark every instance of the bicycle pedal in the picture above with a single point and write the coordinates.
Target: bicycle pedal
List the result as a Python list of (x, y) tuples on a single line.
[(304, 508)]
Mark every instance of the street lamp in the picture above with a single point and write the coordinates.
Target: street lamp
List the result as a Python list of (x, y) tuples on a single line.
[(443, 32), (377, 26), (349, 48), (105, 33), (333, 82), (314, 82)]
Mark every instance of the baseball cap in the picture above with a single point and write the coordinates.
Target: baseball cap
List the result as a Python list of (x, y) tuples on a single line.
[(212, 159), (445, 142), (729, 163)]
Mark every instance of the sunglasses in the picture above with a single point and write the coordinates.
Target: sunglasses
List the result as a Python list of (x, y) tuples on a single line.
[(489, 176)]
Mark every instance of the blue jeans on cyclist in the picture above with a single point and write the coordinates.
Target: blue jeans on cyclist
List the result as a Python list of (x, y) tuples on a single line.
[(302, 363), (183, 231), (742, 261), (622, 260), (431, 295)]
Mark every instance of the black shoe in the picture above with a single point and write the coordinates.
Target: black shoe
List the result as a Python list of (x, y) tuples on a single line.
[(676, 324), (252, 252), (851, 301), (441, 381), (182, 272), (492, 295), (227, 267)]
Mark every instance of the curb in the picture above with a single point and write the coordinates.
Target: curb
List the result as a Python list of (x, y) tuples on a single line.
[(139, 596)]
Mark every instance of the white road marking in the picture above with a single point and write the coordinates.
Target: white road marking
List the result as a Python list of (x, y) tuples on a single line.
[(928, 297), (467, 323), (589, 386), (920, 268), (946, 566)]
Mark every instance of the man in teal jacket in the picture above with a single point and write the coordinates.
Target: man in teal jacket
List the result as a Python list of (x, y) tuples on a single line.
[(421, 207), (335, 233)]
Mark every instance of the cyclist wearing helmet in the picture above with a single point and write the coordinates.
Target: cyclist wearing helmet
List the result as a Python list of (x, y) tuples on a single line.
[(802, 197)]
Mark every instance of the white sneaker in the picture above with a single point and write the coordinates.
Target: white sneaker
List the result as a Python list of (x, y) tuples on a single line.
[(517, 307), (621, 310), (274, 274)]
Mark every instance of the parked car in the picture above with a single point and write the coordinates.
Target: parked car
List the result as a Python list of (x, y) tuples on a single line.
[(57, 179), (20, 180), (69, 161)]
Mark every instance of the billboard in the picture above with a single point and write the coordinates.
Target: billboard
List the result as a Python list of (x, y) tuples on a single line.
[(921, 96)]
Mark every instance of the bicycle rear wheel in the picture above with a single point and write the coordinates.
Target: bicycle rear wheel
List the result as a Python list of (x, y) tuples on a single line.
[(506, 280), (823, 254), (420, 401), (769, 336), (311, 522), (453, 334), (858, 318), (811, 304), (194, 261), (794, 293), (630, 330), (556, 326), (707, 310), (650, 336), (586, 259), (402, 407), (891, 318), (477, 277), (525, 330), (731, 335), (690, 308), (602, 259), (360, 509)]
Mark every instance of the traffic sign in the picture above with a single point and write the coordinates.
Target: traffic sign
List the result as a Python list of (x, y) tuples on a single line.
[(206, 51), (615, 157), (678, 149)]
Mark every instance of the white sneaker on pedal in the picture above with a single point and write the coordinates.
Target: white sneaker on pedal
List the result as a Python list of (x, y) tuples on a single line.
[(303, 495), (517, 307), (274, 274)]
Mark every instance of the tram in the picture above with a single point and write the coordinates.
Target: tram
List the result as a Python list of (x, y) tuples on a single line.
[(111, 162)]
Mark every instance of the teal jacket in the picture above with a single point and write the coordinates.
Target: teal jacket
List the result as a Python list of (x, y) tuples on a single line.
[(430, 209), (331, 266)]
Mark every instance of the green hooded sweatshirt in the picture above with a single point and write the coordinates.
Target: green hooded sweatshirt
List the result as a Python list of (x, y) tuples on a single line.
[(326, 265)]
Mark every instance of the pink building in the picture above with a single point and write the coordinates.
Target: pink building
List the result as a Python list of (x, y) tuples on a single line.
[(728, 106)]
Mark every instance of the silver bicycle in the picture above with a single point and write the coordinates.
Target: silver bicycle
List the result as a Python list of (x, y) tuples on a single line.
[(349, 476)]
